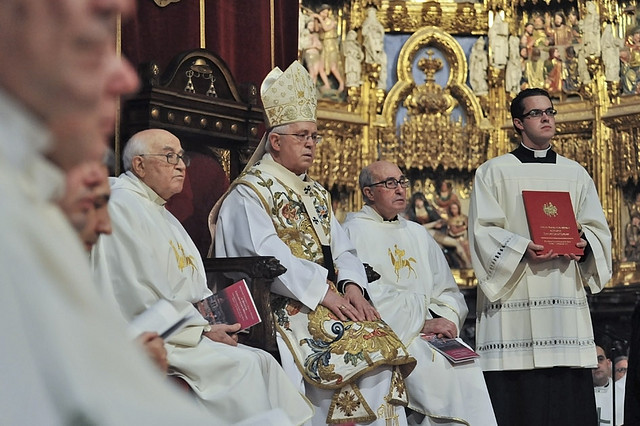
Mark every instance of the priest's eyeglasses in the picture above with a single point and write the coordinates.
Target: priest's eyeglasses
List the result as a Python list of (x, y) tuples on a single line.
[(303, 137), (392, 183), (535, 113), (172, 158)]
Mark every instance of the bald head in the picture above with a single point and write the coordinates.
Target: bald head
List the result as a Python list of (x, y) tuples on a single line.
[(377, 182), (150, 155)]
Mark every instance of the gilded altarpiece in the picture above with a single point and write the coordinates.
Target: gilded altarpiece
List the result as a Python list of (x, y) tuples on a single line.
[(430, 121)]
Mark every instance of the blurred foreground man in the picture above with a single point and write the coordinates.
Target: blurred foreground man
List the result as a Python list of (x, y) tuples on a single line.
[(65, 355)]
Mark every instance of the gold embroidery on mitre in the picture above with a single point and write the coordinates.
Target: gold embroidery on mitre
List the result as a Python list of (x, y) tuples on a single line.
[(288, 96), (181, 257), (550, 210), (399, 262)]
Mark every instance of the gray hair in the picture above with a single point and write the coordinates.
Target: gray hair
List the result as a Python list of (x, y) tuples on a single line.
[(135, 146), (283, 128), (365, 179)]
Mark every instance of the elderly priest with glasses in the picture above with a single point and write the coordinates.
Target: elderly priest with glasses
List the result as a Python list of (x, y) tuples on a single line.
[(417, 295), (328, 333), (150, 257)]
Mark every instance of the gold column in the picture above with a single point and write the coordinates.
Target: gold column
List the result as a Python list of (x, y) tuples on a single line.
[(272, 26), (601, 147), (203, 40), (116, 130), (498, 108)]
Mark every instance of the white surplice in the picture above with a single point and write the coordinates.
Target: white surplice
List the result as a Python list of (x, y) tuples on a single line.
[(533, 315), (416, 283), (150, 256), (66, 357)]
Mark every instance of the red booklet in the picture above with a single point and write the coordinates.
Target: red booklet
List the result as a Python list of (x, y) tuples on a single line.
[(455, 350), (552, 222), (231, 305)]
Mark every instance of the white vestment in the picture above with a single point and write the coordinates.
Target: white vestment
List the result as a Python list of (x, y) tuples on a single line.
[(415, 284), (245, 229), (150, 256), (604, 398), (66, 357), (533, 315)]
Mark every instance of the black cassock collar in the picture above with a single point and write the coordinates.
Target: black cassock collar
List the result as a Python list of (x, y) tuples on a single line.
[(527, 155)]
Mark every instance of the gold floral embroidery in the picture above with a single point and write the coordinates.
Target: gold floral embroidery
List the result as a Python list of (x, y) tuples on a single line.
[(347, 403)]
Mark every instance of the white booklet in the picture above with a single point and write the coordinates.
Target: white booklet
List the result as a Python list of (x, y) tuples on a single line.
[(161, 317)]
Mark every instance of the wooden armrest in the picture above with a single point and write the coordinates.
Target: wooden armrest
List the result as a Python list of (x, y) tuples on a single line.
[(255, 266), (259, 271)]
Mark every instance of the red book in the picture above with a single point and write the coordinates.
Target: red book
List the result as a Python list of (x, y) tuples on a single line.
[(552, 222), (231, 305), (455, 350)]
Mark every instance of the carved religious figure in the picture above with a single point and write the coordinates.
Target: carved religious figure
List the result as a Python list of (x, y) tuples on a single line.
[(591, 30), (540, 38), (478, 64), (571, 76), (330, 47), (574, 24), (632, 236), (527, 40), (353, 57), (628, 74), (373, 41), (611, 46), (498, 42), (559, 33), (513, 74), (457, 225), (534, 70), (311, 47), (553, 72)]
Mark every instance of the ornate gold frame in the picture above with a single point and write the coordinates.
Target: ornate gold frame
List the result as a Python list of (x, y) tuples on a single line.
[(600, 131)]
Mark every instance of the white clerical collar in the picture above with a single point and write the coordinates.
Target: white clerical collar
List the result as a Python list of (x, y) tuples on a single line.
[(538, 153), (268, 155), (146, 189), (604, 388)]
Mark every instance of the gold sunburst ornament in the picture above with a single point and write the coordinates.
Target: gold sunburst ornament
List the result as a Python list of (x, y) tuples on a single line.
[(550, 210)]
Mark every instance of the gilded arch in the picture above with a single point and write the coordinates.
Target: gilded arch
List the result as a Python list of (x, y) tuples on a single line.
[(444, 126)]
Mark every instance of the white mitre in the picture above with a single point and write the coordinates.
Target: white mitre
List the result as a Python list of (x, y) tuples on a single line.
[(289, 96)]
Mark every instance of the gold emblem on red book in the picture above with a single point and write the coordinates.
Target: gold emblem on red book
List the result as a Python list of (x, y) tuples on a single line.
[(550, 210)]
